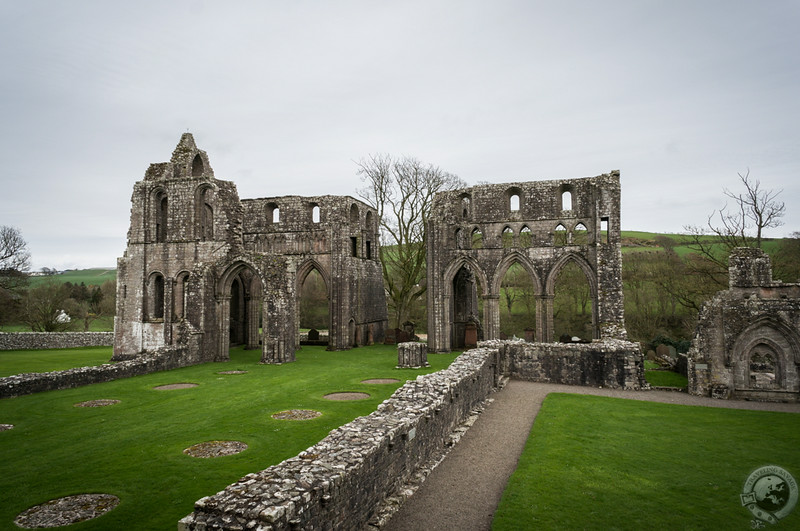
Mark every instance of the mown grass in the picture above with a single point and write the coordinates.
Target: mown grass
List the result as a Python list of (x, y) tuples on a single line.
[(606, 463), (134, 449), (20, 361), (665, 379)]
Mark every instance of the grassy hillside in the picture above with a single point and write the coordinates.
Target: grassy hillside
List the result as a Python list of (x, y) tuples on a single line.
[(90, 277)]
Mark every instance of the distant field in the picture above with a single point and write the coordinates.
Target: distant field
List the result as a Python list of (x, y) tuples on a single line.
[(90, 277)]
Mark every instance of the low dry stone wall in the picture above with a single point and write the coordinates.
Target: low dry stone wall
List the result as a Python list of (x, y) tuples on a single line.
[(607, 363), (36, 340), (23, 384), (341, 482)]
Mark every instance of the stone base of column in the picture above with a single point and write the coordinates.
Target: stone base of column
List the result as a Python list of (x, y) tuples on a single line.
[(412, 355)]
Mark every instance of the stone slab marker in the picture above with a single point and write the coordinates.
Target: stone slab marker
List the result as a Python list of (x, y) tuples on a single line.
[(412, 355)]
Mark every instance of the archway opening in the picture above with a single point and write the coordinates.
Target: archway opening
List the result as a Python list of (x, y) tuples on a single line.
[(236, 325), (466, 310), (314, 308), (572, 304), (517, 304)]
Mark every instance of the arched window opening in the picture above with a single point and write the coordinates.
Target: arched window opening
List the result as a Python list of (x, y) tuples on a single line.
[(207, 223), (314, 309), (514, 203), (467, 310), (525, 237), (507, 238), (566, 200), (560, 236), (763, 368), (477, 239), (572, 305), (156, 296), (315, 214), (197, 166), (517, 304), (276, 215), (465, 204), (273, 213), (162, 211), (353, 214), (580, 236)]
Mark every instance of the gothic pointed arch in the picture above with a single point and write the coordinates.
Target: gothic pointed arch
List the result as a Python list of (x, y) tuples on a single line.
[(552, 275), (505, 264), (307, 267)]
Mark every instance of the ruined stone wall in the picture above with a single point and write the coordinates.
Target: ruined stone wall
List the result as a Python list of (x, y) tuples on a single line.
[(609, 363), (340, 482), (162, 360), (478, 233), (37, 340), (338, 237), (747, 340), (204, 269)]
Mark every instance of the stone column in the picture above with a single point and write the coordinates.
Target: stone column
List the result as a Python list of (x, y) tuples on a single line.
[(223, 325), (547, 300), (253, 306), (412, 355), (491, 312)]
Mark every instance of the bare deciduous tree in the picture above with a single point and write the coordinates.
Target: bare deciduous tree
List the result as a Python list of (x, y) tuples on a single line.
[(402, 190), (14, 258), (742, 225)]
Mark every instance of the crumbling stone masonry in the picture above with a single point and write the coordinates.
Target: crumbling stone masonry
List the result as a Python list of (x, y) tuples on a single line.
[(476, 234), (747, 341), (36, 340), (342, 481), (204, 269)]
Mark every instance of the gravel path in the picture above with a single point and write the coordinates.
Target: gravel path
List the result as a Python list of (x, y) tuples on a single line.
[(462, 493)]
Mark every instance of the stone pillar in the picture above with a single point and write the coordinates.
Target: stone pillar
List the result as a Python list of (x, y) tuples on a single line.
[(549, 324), (412, 355), (223, 325), (168, 295), (491, 310), (253, 307)]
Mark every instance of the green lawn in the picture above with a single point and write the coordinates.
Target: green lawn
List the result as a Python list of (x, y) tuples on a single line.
[(20, 361), (606, 463), (134, 449), (665, 379)]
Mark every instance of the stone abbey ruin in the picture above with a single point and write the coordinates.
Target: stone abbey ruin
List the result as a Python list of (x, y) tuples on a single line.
[(204, 269)]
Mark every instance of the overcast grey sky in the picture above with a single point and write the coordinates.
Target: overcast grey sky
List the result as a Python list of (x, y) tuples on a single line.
[(285, 96)]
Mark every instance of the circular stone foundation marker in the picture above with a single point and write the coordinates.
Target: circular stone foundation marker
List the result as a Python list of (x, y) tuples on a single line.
[(169, 387), (4, 427), (346, 396), (67, 510), (296, 414), (380, 381), (97, 403), (232, 372), (215, 449)]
